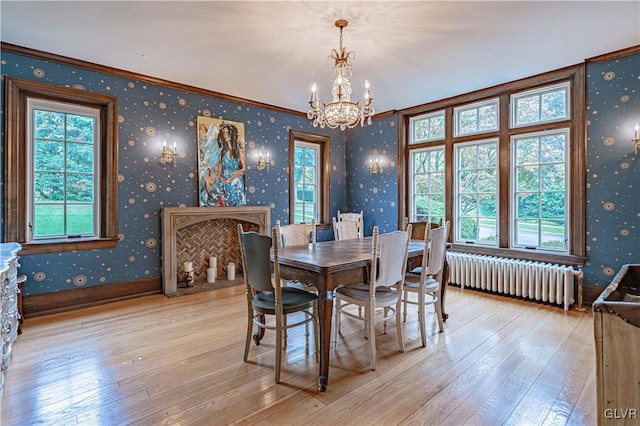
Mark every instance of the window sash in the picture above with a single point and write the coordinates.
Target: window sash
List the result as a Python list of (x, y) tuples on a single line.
[(468, 225), (541, 228), (64, 207), (539, 93), (433, 121), (432, 171), (476, 110), (306, 210)]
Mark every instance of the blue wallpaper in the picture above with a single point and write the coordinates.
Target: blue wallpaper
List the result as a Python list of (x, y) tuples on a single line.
[(613, 170), (375, 195), (148, 114)]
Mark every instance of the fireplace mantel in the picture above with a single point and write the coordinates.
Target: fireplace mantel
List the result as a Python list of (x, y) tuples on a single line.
[(176, 218)]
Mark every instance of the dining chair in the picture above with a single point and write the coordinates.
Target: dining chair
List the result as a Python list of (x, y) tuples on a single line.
[(266, 296), (427, 281), (382, 292), (354, 217), (296, 233), (345, 229)]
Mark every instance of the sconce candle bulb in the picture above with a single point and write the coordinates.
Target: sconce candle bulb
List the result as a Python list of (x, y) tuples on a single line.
[(168, 155), (374, 166), (263, 163), (636, 136)]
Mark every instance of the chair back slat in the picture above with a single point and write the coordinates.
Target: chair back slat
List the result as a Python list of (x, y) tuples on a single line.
[(256, 261)]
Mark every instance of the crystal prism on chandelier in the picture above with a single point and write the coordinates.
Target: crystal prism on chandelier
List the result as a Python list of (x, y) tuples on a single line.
[(341, 112)]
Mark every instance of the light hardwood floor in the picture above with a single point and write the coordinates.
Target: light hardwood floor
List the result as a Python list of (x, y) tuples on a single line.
[(161, 361)]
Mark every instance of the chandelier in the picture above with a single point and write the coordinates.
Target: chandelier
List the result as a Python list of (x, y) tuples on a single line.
[(341, 111)]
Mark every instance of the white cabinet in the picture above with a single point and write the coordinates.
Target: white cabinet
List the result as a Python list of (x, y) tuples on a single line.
[(9, 315)]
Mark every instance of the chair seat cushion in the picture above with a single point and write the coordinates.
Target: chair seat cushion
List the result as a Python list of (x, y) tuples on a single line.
[(361, 292), (293, 300), (412, 283)]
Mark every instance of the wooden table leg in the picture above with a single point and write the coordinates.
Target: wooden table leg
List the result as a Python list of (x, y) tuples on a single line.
[(325, 310), (444, 284)]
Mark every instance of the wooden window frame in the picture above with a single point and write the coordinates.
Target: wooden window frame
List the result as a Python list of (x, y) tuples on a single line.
[(575, 75), (17, 93), (324, 167)]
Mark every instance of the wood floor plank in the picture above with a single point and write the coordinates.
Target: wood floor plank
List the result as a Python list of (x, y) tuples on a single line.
[(157, 360)]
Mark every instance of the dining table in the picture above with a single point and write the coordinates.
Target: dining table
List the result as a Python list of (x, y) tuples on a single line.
[(327, 265)]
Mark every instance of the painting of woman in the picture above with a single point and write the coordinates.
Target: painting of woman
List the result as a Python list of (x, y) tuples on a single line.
[(221, 163)]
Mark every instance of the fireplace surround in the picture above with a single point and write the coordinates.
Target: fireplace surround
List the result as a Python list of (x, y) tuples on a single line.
[(193, 234)]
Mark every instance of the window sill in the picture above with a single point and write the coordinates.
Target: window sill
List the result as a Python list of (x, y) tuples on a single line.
[(65, 245), (533, 255)]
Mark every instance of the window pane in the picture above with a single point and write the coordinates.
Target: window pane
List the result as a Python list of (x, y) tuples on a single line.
[(80, 128), (527, 110), (527, 151), (488, 118), (436, 127), (553, 106), (80, 219), (48, 125), (437, 183), (48, 155), (488, 231), (49, 186), (79, 188), (526, 233), (552, 177), (553, 234), (552, 205), (79, 157), (468, 205), (487, 155), (468, 121), (468, 157), (468, 229), (527, 179), (528, 205), (420, 162), (421, 184), (552, 148), (309, 176), (48, 220)]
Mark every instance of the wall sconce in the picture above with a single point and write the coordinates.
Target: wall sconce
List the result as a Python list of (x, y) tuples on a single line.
[(636, 136), (374, 166), (263, 162), (167, 154)]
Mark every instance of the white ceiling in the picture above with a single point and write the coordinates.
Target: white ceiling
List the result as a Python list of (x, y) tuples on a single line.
[(412, 52)]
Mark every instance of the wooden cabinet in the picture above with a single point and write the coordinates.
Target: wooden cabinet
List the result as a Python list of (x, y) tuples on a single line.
[(9, 315), (616, 316)]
